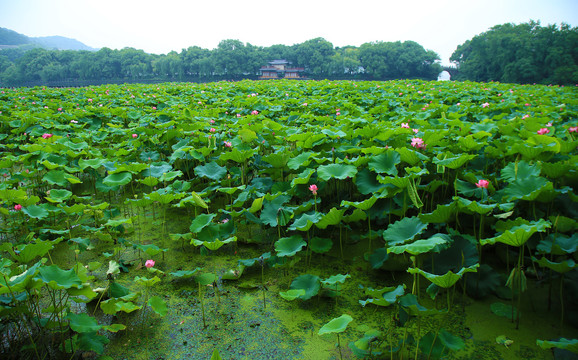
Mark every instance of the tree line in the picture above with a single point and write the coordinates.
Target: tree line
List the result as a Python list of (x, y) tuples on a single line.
[(525, 53), (232, 59)]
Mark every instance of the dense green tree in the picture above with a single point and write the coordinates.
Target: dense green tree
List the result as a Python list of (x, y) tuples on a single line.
[(315, 56), (524, 53)]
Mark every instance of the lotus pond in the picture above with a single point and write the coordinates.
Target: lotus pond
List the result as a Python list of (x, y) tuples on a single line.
[(289, 220)]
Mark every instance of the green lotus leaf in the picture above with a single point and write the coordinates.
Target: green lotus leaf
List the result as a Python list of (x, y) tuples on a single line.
[(289, 246), (560, 267), (83, 323), (149, 181), (562, 343), (320, 245), (277, 160), (236, 155), (157, 170), (355, 216), (337, 171), (443, 214), (92, 163), (82, 243), (454, 162), (303, 177), (448, 279), (399, 182), (58, 195), (57, 278), (91, 341), (112, 306), (36, 211), (271, 210), (300, 160), (28, 252), (527, 188), (366, 182), (383, 297), (112, 328), (305, 221), (184, 273), (336, 325), (211, 170), (215, 244), (150, 249), (292, 294), (410, 304), (333, 217), (520, 170), (334, 279), (403, 230), (200, 222), (116, 222), (158, 305), (473, 207), (363, 205), (411, 157), (165, 198), (309, 283), (557, 244), (419, 246), (518, 235), (20, 282), (56, 177), (117, 179), (385, 163), (206, 278), (170, 175), (378, 257), (361, 347)]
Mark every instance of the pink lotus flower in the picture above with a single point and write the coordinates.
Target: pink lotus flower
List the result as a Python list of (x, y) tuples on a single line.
[(525, 116), (415, 131), (74, 121), (228, 144), (417, 143), (17, 207), (212, 121), (304, 104), (89, 100), (483, 183), (149, 263), (213, 130), (254, 112), (313, 189), (543, 131), (59, 109), (337, 113), (573, 129), (154, 107), (46, 136), (484, 105), (134, 136), (405, 125)]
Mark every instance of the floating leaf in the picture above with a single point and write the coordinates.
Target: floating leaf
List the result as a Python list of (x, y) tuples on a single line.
[(562, 343)]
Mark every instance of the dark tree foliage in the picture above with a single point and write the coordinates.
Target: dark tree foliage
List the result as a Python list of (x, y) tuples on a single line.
[(232, 59), (525, 53)]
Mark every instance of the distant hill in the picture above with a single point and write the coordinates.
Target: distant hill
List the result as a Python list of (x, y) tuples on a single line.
[(61, 43), (11, 39)]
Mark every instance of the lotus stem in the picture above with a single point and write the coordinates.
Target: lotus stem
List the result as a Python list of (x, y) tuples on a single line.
[(339, 346), (561, 302), (202, 305)]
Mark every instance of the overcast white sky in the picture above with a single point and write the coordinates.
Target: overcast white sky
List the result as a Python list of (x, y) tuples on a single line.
[(164, 25)]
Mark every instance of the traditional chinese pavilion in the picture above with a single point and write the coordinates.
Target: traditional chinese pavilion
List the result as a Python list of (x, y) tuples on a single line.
[(278, 69)]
